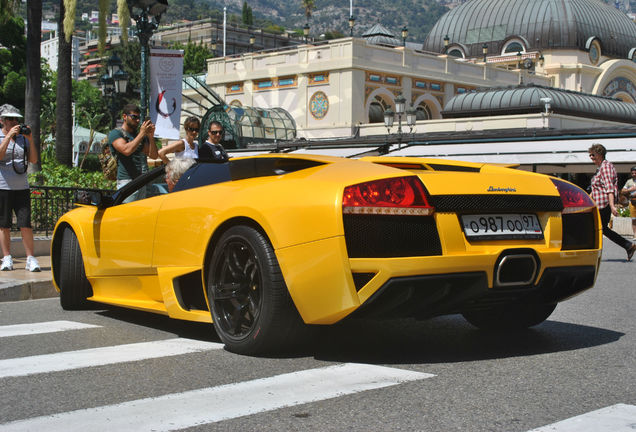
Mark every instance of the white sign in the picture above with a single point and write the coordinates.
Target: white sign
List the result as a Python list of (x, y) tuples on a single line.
[(166, 72)]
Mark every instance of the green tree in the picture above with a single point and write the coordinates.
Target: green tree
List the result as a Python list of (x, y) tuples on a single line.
[(12, 61), (248, 18), (194, 57), (90, 106)]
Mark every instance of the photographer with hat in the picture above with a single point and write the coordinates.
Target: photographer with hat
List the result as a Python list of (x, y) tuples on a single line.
[(16, 152)]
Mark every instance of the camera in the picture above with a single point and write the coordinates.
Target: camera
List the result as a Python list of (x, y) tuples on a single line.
[(25, 130)]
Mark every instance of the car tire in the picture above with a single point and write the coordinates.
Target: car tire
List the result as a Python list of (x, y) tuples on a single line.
[(510, 317), (74, 286), (251, 309)]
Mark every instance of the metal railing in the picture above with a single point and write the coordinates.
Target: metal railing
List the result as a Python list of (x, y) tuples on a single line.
[(48, 203)]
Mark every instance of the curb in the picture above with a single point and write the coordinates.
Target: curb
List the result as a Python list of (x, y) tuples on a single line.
[(27, 291)]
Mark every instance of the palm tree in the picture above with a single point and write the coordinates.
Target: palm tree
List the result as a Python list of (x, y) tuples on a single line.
[(64, 127), (33, 74), (63, 115), (309, 6), (7, 9)]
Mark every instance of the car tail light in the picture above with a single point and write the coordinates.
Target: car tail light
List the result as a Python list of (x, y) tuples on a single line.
[(575, 199), (393, 196)]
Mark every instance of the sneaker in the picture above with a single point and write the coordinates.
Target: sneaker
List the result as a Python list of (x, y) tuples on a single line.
[(7, 263), (630, 252), (32, 264)]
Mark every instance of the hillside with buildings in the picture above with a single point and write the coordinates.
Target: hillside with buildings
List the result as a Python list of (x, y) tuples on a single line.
[(329, 15)]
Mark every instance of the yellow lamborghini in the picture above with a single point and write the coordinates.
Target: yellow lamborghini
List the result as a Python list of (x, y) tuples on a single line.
[(261, 246)]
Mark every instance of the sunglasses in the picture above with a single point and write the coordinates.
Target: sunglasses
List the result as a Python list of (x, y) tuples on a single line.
[(134, 116), (216, 132), (192, 130)]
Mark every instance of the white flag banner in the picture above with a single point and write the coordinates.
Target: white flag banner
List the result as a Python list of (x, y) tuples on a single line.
[(166, 72)]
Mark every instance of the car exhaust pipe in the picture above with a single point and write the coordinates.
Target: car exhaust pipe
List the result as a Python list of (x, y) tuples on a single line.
[(515, 269)]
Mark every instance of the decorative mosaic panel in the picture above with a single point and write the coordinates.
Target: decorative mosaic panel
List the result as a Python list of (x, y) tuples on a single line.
[(234, 88), (319, 105), (289, 81), (382, 78), (319, 78)]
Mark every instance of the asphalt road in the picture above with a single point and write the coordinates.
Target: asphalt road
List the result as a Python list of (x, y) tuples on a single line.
[(437, 375)]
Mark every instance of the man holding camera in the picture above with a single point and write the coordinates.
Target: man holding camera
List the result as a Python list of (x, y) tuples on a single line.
[(131, 145), (16, 152)]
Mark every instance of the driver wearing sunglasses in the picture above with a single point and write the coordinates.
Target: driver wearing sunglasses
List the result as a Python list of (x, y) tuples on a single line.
[(212, 149)]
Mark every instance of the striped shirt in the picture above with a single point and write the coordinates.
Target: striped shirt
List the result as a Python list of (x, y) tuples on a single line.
[(604, 182)]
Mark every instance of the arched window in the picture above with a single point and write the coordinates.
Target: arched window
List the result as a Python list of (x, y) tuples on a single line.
[(513, 47), (423, 112), (376, 110), (455, 53)]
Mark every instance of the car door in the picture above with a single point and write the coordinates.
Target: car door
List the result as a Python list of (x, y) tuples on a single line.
[(124, 232)]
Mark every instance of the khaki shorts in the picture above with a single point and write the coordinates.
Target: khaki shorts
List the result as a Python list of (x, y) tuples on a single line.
[(632, 210)]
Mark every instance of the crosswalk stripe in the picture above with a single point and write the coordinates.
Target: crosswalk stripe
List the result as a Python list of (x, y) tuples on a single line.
[(208, 405), (614, 418), (101, 356), (42, 327)]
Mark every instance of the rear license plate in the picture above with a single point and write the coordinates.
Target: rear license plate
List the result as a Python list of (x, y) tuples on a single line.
[(502, 226)]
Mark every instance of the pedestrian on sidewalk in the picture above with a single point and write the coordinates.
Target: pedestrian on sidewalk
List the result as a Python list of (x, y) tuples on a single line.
[(16, 152), (604, 186)]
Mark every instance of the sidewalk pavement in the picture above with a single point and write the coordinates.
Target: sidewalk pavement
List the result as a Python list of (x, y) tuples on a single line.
[(19, 284)]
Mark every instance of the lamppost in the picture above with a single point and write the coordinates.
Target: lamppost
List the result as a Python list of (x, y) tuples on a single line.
[(446, 42), (352, 22), (147, 15), (411, 117), (484, 50), (306, 31), (113, 83), (214, 46), (405, 34)]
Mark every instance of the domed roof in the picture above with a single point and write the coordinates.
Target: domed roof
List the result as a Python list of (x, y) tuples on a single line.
[(380, 35), (540, 24)]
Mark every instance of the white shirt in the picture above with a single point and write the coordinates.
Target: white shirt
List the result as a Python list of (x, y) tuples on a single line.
[(188, 152)]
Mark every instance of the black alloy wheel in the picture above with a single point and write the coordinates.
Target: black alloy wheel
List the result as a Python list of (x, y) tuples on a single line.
[(249, 302)]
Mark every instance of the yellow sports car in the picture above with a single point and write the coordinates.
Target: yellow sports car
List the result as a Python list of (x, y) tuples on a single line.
[(261, 246)]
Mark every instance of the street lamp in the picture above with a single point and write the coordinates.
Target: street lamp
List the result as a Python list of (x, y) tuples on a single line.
[(411, 118), (446, 42), (405, 34), (400, 104), (147, 15), (306, 31), (352, 22), (484, 50), (113, 84), (252, 42)]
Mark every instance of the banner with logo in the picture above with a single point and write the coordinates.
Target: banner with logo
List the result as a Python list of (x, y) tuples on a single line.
[(166, 72)]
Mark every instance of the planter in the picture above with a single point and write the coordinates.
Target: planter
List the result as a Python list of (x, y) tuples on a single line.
[(623, 226)]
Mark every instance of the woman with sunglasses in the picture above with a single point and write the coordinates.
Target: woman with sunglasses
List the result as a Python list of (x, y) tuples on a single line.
[(186, 147)]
